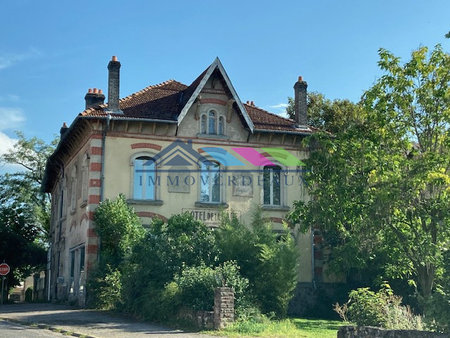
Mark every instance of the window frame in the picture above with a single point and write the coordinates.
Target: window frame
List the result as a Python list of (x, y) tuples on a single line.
[(211, 184), (218, 120), (271, 186), (157, 189)]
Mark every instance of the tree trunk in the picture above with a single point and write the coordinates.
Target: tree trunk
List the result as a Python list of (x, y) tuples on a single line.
[(426, 274)]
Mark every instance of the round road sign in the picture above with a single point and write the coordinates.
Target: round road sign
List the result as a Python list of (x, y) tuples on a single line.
[(4, 269)]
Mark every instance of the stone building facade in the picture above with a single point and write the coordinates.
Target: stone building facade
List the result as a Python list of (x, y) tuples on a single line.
[(171, 148)]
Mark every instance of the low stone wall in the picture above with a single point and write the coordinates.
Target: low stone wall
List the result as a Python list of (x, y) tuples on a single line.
[(376, 332)]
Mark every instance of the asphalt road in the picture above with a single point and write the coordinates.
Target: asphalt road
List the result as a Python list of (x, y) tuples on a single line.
[(12, 330), (92, 323)]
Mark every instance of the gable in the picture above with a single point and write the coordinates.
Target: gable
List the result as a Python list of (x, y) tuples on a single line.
[(216, 68)]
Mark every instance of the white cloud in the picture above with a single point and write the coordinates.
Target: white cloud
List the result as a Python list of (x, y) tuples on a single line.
[(6, 143), (11, 118), (279, 106), (9, 59)]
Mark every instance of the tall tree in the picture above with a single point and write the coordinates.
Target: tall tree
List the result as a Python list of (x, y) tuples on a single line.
[(328, 115), (22, 188), (24, 209), (380, 187)]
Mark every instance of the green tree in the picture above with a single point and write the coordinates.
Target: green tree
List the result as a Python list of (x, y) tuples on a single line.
[(380, 187), (18, 246), (22, 188), (24, 209), (268, 260), (324, 114), (119, 229)]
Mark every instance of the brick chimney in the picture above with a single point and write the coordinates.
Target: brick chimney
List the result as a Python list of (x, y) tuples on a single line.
[(113, 85), (300, 103), (94, 97)]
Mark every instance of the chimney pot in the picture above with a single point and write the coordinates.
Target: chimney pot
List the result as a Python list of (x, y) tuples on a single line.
[(114, 58), (94, 97), (300, 79)]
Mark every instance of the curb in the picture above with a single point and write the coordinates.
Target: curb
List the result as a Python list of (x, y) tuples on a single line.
[(47, 327)]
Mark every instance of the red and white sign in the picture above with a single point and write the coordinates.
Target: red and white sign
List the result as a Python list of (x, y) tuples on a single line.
[(4, 269)]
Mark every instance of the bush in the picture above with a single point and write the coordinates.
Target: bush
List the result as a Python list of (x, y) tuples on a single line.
[(165, 250), (105, 289), (197, 284), (119, 229), (382, 308), (267, 259)]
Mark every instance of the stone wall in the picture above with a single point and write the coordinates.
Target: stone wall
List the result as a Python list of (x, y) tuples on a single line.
[(375, 332), (223, 307)]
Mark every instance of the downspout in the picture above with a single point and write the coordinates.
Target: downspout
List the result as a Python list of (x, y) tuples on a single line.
[(102, 173)]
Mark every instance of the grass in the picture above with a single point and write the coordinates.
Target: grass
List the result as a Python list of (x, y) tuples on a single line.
[(294, 327)]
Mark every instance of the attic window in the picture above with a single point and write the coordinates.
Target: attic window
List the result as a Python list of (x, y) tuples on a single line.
[(212, 122)]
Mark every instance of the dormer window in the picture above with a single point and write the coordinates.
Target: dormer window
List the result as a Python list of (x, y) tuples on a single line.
[(212, 122), (203, 124), (221, 126)]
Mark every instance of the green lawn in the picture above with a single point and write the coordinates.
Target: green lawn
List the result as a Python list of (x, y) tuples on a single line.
[(294, 327)]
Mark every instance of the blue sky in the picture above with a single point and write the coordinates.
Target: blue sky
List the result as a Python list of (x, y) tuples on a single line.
[(51, 52)]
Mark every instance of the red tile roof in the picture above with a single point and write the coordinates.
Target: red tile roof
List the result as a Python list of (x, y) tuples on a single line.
[(165, 101), (264, 120)]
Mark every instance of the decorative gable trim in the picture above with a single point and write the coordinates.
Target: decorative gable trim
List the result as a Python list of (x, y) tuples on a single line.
[(216, 65)]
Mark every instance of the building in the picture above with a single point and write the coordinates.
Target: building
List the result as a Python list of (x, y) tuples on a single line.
[(171, 148)]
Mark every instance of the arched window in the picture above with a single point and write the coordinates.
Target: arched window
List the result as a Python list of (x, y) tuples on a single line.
[(272, 185), (221, 126), (144, 180), (210, 182), (203, 124), (212, 122)]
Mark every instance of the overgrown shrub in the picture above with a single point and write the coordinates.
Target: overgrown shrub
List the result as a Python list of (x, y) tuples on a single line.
[(197, 284), (267, 259), (382, 308), (119, 228), (105, 288), (164, 251)]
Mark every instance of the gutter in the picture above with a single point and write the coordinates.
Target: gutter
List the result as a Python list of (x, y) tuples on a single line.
[(283, 132)]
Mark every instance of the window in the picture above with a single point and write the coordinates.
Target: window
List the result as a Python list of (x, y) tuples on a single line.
[(272, 183), (72, 263), (203, 124), (212, 122), (82, 253), (221, 126), (210, 182), (144, 178)]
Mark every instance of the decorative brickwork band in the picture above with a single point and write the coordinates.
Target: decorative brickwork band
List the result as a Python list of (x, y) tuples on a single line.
[(223, 307), (146, 145)]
